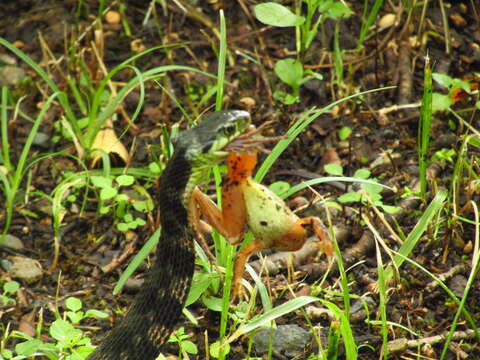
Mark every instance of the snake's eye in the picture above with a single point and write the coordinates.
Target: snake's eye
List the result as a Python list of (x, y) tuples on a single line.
[(229, 129)]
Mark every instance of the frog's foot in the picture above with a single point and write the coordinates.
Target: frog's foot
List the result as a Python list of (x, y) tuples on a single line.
[(239, 266), (325, 245)]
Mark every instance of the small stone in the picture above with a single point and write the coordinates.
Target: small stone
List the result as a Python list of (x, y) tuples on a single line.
[(42, 140), (7, 60), (458, 20), (12, 242), (112, 17), (248, 101), (457, 284), (387, 21), (11, 75), (289, 340), (133, 285), (25, 269)]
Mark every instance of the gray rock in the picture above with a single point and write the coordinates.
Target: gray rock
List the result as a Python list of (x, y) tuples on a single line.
[(287, 340), (7, 59), (12, 242), (41, 139), (457, 284), (11, 75), (25, 269)]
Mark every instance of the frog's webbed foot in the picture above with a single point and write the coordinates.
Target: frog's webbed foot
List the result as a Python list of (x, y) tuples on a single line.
[(325, 245)]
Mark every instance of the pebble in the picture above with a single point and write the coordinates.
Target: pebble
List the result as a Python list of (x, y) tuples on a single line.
[(11, 75), (457, 284), (289, 340), (42, 140), (7, 59), (12, 242), (25, 269)]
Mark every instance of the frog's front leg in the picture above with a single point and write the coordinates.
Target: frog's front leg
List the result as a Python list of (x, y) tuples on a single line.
[(229, 221)]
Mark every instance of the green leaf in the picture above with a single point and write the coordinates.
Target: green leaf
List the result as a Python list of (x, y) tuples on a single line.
[(73, 303), (28, 348), (190, 347), (338, 10), (11, 287), (372, 189), (344, 132), (121, 197), (333, 169), (140, 221), (75, 317), (63, 331), (125, 180), (274, 14), (104, 210), (279, 187), (362, 174), (154, 168), (123, 227), (95, 313), (350, 197), (200, 283), (213, 303), (107, 193), (6, 354), (101, 181), (141, 205), (442, 79), (290, 71), (390, 209), (215, 349), (440, 102)]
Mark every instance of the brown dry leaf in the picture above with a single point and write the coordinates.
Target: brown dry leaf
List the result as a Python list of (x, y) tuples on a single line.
[(27, 324), (108, 141)]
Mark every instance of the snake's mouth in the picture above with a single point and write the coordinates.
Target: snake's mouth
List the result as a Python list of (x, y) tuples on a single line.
[(252, 140)]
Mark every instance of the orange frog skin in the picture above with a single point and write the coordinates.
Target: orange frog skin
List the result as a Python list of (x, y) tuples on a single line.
[(246, 202)]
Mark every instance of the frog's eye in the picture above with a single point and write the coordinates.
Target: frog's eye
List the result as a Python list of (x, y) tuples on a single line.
[(206, 147), (229, 129)]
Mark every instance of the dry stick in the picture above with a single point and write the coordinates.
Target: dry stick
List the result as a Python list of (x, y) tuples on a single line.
[(400, 345), (457, 269), (117, 261)]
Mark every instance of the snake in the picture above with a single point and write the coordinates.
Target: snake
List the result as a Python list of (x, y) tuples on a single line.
[(157, 307)]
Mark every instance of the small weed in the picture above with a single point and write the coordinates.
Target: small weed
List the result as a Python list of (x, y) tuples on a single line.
[(372, 190), (122, 203), (70, 343), (9, 289), (186, 346), (292, 71)]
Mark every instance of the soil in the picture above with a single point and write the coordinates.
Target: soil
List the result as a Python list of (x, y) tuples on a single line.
[(59, 35)]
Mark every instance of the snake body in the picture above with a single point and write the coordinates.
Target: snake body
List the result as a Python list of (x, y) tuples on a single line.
[(158, 306)]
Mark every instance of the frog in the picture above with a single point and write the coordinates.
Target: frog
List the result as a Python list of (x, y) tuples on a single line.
[(248, 204)]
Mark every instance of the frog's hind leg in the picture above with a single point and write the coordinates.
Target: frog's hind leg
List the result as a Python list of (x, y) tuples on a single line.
[(239, 267)]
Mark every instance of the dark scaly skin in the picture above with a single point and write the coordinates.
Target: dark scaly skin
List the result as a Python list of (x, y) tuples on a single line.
[(158, 306)]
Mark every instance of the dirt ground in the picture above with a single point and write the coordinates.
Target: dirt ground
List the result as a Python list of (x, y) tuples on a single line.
[(393, 56)]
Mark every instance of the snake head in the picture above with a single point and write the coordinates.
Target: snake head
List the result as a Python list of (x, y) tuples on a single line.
[(205, 143)]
